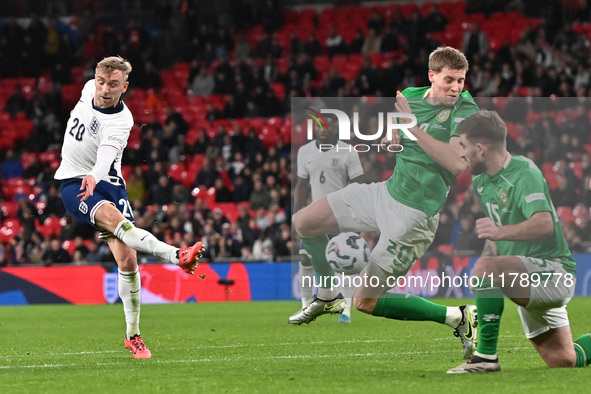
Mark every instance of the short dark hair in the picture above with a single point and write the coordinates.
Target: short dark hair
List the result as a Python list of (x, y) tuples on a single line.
[(485, 127), (449, 57)]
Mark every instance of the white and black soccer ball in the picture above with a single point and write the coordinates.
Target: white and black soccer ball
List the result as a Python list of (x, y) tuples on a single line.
[(347, 253)]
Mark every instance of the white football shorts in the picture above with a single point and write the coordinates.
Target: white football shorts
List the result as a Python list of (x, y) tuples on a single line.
[(549, 295), (406, 233)]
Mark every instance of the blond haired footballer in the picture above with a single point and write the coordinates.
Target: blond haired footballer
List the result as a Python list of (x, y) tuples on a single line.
[(93, 190), (405, 208)]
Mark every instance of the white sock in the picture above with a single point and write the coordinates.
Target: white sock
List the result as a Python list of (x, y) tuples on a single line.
[(306, 285), (145, 242), (491, 357), (453, 316), (326, 294), (130, 286), (347, 292)]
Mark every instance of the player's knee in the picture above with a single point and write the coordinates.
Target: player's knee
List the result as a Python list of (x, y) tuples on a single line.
[(108, 217), (365, 305), (128, 262), (483, 266), (299, 223), (561, 360)]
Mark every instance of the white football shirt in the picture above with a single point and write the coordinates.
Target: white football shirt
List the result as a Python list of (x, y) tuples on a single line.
[(88, 128), (329, 170)]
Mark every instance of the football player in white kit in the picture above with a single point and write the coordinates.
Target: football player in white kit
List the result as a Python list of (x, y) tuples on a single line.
[(93, 190), (324, 170)]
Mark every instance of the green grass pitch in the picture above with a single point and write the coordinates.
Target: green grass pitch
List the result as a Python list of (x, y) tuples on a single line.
[(250, 348)]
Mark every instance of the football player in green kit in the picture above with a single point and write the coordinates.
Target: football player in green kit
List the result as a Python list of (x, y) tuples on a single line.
[(405, 208), (525, 257)]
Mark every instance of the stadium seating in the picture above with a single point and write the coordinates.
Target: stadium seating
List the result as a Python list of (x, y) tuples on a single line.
[(147, 105)]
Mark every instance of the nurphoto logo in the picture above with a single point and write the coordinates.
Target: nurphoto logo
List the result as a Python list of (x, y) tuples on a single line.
[(390, 119)]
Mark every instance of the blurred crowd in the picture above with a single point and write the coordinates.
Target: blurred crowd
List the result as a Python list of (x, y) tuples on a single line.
[(257, 78)]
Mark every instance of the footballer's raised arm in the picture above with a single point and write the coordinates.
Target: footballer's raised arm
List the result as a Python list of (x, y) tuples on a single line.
[(445, 154)]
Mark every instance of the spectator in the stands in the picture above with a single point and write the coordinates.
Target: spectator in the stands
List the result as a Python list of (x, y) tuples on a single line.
[(11, 166), (27, 215), (161, 192), (81, 247), (222, 192), (11, 35), (335, 45), (203, 84), (94, 254), (200, 146), (217, 219), (56, 254), (207, 174), (151, 77), (376, 22), (474, 42), (435, 21), (565, 194), (242, 47), (390, 40), (467, 239), (16, 103), (259, 197), (213, 113), (372, 43), (357, 43), (312, 47)]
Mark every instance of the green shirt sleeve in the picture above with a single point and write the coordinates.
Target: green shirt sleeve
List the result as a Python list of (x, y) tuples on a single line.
[(466, 107), (532, 197)]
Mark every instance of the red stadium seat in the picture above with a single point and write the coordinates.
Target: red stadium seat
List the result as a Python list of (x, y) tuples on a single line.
[(10, 228), (9, 209), (187, 178), (279, 90), (49, 156), (27, 158), (229, 209), (40, 206), (176, 170), (126, 172), (577, 167), (51, 227), (69, 246), (550, 175), (565, 214), (70, 95)]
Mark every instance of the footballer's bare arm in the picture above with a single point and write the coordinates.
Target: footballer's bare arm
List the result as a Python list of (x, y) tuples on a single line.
[(490, 249)]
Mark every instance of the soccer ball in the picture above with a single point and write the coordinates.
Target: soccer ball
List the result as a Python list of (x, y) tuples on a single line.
[(347, 253)]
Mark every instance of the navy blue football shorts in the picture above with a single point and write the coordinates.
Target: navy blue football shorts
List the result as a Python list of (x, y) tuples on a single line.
[(104, 193)]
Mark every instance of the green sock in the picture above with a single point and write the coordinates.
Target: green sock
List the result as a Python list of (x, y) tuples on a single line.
[(583, 348), (409, 307), (316, 248), (490, 305)]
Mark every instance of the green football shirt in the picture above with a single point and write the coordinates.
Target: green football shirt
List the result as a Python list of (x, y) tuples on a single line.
[(418, 181), (512, 196)]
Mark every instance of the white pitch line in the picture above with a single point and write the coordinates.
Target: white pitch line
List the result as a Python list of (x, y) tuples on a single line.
[(234, 346), (239, 359), (213, 347)]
